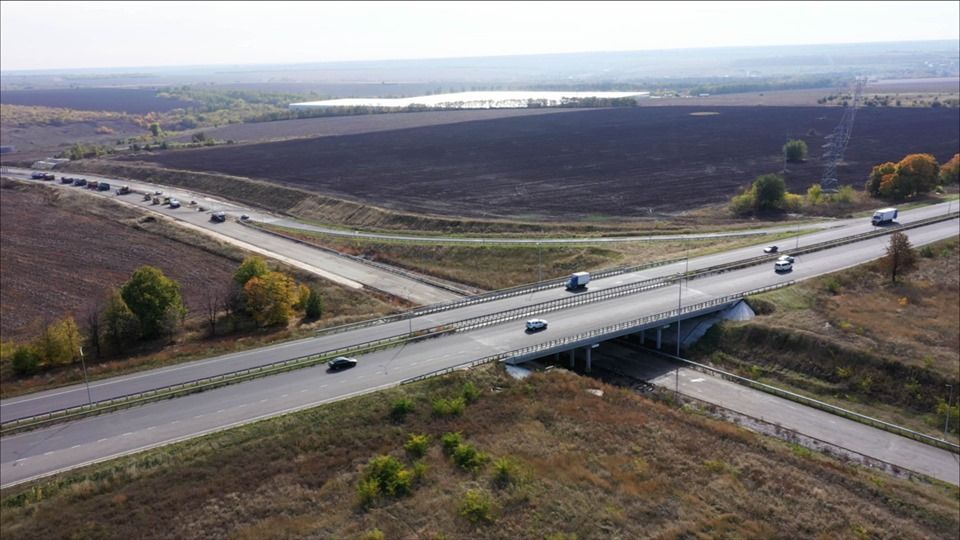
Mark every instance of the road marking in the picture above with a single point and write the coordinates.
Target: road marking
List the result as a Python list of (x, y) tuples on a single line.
[(175, 422), (103, 439), (21, 459), (127, 433), (47, 453), (263, 401), (151, 427), (304, 390), (75, 446), (697, 380), (220, 411), (285, 395), (197, 416), (324, 385)]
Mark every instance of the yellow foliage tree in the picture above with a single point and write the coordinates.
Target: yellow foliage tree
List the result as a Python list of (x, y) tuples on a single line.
[(60, 342), (950, 172), (270, 298)]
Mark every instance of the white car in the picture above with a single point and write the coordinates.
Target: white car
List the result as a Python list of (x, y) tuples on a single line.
[(770, 249), (536, 324), (787, 258), (782, 266)]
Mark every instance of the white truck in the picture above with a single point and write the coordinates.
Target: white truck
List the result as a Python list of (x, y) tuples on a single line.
[(884, 216), (578, 280)]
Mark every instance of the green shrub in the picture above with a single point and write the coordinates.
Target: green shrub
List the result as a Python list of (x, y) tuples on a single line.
[(832, 284), (25, 361), (375, 534), (451, 441), (385, 475), (417, 445), (505, 472), (449, 407), (470, 392), (927, 252), (795, 150), (367, 491), (401, 408), (477, 506), (468, 458)]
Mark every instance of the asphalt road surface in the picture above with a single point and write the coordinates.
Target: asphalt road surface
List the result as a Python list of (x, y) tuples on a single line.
[(342, 270), (58, 448)]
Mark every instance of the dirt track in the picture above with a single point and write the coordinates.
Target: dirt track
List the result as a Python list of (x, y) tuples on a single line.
[(627, 162)]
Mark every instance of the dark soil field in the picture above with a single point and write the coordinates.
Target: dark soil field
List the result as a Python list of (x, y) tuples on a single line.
[(622, 162), (353, 125), (37, 142), (54, 262), (134, 101)]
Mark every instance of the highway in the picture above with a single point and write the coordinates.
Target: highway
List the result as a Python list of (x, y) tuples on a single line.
[(342, 270), (63, 398), (45, 451)]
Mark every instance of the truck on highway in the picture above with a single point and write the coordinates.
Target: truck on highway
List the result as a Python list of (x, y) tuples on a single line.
[(884, 216), (578, 280)]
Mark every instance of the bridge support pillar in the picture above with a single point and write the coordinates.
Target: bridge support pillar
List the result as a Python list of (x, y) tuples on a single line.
[(659, 335), (573, 361), (589, 357)]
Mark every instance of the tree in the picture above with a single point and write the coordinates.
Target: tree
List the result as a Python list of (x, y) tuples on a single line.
[(795, 150), (950, 172), (249, 268), (270, 298), (155, 299), (155, 129), (60, 342), (198, 137), (901, 258), (919, 173), (92, 320), (877, 176), (769, 192), (815, 195), (313, 307), (120, 326), (25, 361)]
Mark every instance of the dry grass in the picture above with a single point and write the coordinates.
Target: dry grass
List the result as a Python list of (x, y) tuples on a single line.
[(856, 340), (617, 466)]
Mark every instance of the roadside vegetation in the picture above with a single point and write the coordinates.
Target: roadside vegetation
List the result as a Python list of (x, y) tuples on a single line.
[(145, 318), (538, 458), (499, 266), (880, 339)]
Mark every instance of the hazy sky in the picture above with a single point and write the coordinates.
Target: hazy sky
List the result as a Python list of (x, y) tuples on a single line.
[(43, 35)]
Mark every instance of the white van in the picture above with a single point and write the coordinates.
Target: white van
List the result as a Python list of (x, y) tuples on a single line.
[(783, 266)]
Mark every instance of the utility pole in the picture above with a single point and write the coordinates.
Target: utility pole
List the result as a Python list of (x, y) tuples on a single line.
[(539, 263), (83, 364), (946, 423), (679, 299), (798, 235)]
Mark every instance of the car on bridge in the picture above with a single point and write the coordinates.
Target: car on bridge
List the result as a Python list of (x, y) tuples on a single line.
[(341, 362), (770, 249), (535, 325), (783, 266)]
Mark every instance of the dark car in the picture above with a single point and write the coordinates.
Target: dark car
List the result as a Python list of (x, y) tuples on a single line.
[(341, 362), (770, 249)]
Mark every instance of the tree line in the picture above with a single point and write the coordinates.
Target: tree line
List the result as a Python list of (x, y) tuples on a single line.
[(149, 306)]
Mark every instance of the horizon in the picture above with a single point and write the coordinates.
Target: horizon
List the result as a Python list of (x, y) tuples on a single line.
[(129, 69), (122, 35)]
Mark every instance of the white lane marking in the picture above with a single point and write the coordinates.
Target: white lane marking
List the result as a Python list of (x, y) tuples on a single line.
[(103, 439), (151, 427), (304, 390), (75, 446), (263, 401), (48, 453), (20, 460), (697, 380), (175, 422), (220, 411), (127, 434)]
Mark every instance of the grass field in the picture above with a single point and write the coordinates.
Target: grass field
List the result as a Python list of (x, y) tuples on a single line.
[(856, 340), (551, 461)]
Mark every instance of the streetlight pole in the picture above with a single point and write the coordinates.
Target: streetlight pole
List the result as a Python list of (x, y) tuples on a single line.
[(86, 381), (946, 423), (539, 263), (679, 299), (798, 235)]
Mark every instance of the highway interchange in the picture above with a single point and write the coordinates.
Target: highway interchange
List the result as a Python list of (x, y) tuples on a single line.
[(44, 451)]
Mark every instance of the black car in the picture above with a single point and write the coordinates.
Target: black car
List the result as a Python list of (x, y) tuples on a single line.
[(770, 249), (341, 362)]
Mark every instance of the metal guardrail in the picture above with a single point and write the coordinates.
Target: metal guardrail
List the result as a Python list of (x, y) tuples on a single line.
[(600, 333), (810, 402), (703, 272), (206, 383)]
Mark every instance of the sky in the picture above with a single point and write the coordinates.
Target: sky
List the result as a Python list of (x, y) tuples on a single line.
[(71, 35)]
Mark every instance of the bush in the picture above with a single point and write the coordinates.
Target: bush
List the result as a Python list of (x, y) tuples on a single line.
[(742, 204), (505, 472), (451, 441), (25, 361), (470, 392), (367, 491), (832, 284), (401, 408), (449, 407), (927, 252), (468, 458), (477, 506), (375, 534), (795, 150), (385, 475), (417, 445)]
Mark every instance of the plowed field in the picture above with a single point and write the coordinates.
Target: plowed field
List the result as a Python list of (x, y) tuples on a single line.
[(621, 162), (54, 262)]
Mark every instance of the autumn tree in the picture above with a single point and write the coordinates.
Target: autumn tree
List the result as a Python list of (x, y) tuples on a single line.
[(901, 258), (118, 323), (60, 342), (769, 192), (155, 299), (795, 150), (950, 171), (270, 298), (913, 175), (249, 268)]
